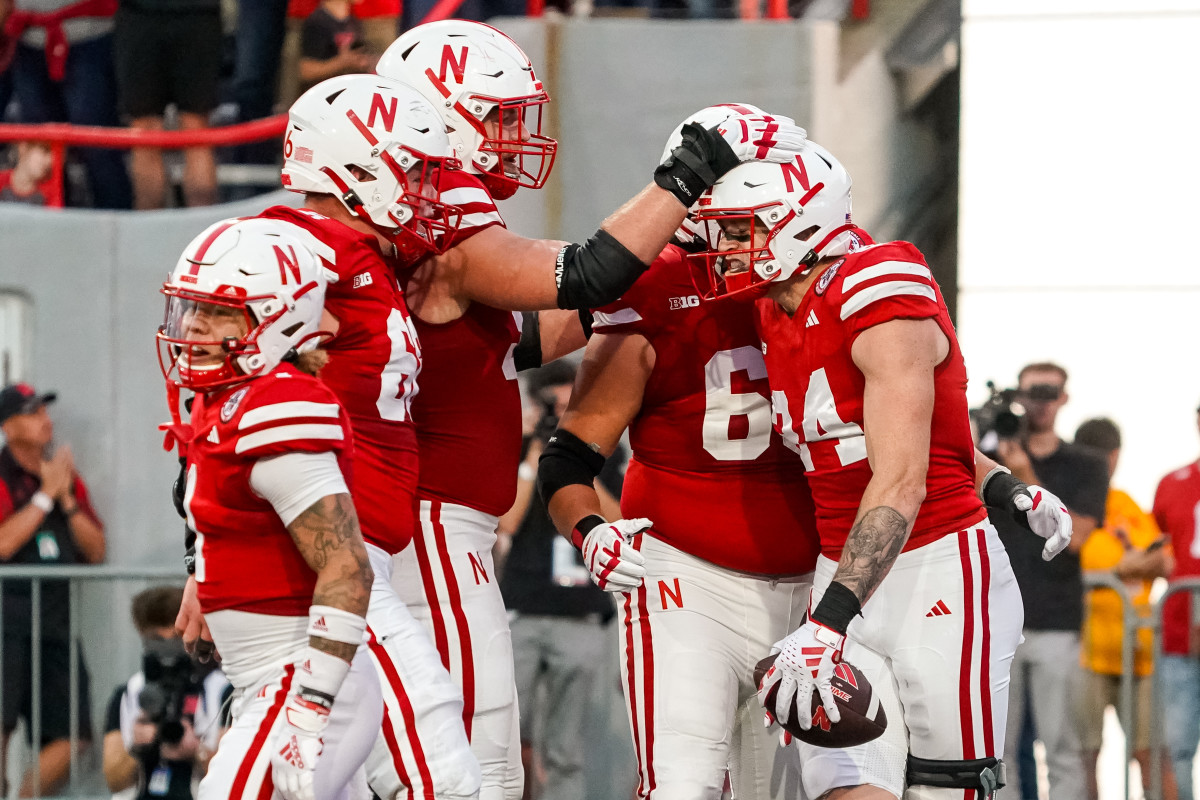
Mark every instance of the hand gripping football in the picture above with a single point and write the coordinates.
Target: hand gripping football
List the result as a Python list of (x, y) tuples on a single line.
[(863, 718)]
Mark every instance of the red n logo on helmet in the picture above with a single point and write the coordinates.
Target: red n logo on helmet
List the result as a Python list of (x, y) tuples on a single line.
[(796, 171), (457, 66), (387, 112), (288, 262)]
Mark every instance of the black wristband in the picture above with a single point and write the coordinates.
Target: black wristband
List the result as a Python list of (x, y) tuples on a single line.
[(584, 527), (999, 489), (189, 560), (838, 606)]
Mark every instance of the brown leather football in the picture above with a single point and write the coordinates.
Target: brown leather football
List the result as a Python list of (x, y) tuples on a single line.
[(863, 718)]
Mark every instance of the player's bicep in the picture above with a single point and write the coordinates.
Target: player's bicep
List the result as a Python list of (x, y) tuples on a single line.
[(504, 270), (609, 388), (898, 360)]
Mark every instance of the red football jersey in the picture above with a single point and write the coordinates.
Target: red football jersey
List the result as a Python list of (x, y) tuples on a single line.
[(817, 391), (245, 557), (707, 466), (373, 365), (1176, 507), (468, 413)]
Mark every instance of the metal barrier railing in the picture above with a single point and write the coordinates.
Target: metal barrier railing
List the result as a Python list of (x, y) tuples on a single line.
[(74, 575), (1131, 623), (1158, 756)]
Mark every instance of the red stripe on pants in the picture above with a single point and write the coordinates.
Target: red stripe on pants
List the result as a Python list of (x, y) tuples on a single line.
[(431, 596), (260, 738), (410, 721), (647, 678), (631, 689), (964, 676), (985, 654), (460, 619)]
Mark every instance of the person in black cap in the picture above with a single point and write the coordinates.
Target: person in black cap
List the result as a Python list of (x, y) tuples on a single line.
[(45, 518)]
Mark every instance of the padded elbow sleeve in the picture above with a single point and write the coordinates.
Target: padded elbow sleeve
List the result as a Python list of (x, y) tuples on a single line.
[(595, 273), (566, 461)]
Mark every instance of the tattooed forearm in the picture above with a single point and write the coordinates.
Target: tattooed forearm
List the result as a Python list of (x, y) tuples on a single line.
[(328, 537), (871, 548)]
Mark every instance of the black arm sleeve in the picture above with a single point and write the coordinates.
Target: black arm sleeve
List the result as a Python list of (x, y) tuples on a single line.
[(595, 273), (567, 460), (528, 352)]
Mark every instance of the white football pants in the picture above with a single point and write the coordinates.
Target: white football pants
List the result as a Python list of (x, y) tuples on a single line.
[(945, 624), (447, 580), (422, 749), (692, 635), (261, 672)]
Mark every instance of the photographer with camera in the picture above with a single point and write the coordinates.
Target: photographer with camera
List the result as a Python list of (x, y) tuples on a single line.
[(558, 615), (1016, 428), (163, 724)]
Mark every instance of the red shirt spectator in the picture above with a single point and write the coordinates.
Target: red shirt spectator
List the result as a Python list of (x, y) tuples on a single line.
[(1176, 504)]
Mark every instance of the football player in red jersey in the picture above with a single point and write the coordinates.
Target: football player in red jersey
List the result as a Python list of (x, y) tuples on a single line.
[(725, 568), (268, 451), (465, 306), (363, 150), (868, 388)]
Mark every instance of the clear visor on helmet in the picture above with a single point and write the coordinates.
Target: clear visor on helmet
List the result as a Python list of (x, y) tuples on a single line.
[(424, 224), (200, 337), (512, 131), (738, 255)]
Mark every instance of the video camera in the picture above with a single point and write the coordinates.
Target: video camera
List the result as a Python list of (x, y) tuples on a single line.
[(1002, 415), (172, 688)]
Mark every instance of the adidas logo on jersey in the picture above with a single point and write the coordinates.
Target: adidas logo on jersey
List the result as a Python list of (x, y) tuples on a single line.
[(812, 319), (676, 303), (361, 280), (940, 609), (212, 436)]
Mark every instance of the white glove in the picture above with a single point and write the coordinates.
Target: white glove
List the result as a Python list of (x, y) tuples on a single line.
[(807, 658), (610, 556), (1048, 518), (297, 746), (763, 138)]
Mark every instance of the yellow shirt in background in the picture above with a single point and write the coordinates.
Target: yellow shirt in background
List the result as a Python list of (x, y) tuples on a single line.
[(1126, 526)]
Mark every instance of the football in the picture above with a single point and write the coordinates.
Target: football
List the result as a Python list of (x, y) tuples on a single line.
[(863, 718)]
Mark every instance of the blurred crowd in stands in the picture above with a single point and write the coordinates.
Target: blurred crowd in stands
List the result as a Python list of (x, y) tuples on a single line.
[(190, 64)]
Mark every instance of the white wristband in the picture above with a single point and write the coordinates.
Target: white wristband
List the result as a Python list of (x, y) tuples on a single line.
[(336, 625), (319, 675), (42, 501)]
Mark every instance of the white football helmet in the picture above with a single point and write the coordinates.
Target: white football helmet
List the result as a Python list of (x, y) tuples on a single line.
[(245, 295), (375, 144), (474, 74), (802, 211), (692, 234)]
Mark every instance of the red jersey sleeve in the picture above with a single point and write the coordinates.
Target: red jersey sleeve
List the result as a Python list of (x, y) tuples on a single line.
[(643, 306), (85, 500), (894, 282), (289, 413), (6, 503), (467, 192)]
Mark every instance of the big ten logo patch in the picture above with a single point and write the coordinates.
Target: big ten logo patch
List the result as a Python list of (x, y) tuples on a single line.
[(690, 301), (670, 594), (478, 570), (362, 279)]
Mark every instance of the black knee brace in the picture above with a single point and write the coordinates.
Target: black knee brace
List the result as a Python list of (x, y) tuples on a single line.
[(984, 775)]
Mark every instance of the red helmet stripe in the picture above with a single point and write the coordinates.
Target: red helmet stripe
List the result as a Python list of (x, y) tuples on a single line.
[(363, 129), (437, 83), (811, 193), (207, 243)]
